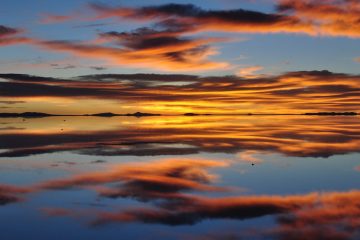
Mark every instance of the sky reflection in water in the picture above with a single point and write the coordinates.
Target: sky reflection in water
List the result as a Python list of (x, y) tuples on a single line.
[(213, 177)]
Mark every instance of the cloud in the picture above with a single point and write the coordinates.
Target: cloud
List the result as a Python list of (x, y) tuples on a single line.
[(51, 19), (335, 217), (357, 60), (57, 212), (199, 209), (10, 194), (65, 67), (198, 19), (308, 214), (140, 77), (8, 31), (98, 68), (331, 18), (248, 156), (92, 25), (248, 71), (295, 92), (158, 48), (145, 47), (7, 199), (14, 40), (164, 179), (8, 36)]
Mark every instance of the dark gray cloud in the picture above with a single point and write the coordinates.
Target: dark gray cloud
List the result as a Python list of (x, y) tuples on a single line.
[(331, 18), (9, 36), (98, 68), (197, 18), (8, 31), (294, 91), (11, 194)]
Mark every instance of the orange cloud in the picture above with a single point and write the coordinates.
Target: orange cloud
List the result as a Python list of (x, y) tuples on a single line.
[(57, 212), (162, 179), (8, 36), (51, 19), (306, 214), (191, 18), (158, 179), (11, 194), (248, 156), (296, 92), (14, 40), (331, 18), (182, 56), (248, 71), (336, 216)]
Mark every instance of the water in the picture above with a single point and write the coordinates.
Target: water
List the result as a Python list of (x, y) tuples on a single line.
[(180, 177)]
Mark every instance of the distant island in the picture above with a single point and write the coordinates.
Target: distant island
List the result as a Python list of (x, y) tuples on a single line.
[(26, 115), (110, 114), (197, 114), (333, 113), (42, 115)]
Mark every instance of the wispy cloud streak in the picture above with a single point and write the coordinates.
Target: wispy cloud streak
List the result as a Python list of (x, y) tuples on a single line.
[(295, 92)]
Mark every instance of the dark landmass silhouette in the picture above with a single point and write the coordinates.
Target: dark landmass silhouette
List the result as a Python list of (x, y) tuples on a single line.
[(41, 115), (197, 114), (105, 114), (332, 113), (140, 114), (25, 115), (110, 114)]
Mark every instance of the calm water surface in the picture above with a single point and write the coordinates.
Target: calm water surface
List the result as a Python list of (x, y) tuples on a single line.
[(202, 177)]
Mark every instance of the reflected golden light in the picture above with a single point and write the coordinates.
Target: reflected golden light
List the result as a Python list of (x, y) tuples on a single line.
[(290, 135)]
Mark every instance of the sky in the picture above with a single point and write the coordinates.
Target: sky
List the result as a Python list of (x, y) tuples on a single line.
[(209, 56)]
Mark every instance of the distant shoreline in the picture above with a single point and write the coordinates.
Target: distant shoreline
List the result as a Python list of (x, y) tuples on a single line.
[(140, 114)]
